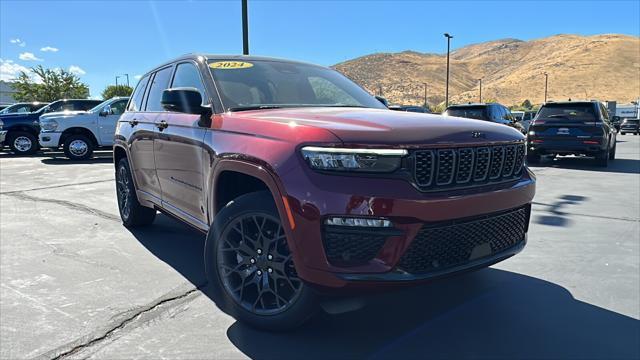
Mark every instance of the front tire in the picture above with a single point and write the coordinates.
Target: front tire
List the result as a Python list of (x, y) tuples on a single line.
[(131, 212), (23, 143), (78, 147), (250, 268)]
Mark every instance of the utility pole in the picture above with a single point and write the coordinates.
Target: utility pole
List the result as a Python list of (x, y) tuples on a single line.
[(117, 80), (546, 78), (380, 89), (245, 29), (127, 75), (480, 89), (449, 37), (426, 86)]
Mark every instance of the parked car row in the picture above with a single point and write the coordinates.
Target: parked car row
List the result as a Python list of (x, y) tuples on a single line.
[(21, 124)]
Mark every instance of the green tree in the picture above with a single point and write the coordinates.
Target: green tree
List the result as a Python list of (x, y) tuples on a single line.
[(49, 85), (527, 104), (116, 90)]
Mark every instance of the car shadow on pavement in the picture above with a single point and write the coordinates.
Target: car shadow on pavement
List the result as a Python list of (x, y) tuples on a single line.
[(555, 214), (485, 314), (626, 166), (65, 161)]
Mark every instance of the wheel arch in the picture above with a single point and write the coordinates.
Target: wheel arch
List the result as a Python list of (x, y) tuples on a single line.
[(78, 130)]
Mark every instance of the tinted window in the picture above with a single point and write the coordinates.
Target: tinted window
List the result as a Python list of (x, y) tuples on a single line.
[(470, 112), (285, 84), (82, 105), (567, 112), (117, 107), (158, 85), (187, 75), (136, 99)]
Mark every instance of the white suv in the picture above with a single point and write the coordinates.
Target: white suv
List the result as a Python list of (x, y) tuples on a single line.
[(81, 132)]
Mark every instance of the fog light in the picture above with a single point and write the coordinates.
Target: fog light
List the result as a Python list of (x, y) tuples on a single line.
[(362, 222)]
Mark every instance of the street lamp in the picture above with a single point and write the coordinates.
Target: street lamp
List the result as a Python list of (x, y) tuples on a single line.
[(127, 75), (449, 37), (480, 89), (546, 79), (117, 80), (245, 29)]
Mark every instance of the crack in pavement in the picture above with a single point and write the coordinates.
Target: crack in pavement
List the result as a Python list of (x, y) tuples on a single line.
[(75, 206), (173, 298), (55, 186)]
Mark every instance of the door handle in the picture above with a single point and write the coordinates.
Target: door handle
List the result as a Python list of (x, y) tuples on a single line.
[(162, 124), (133, 122)]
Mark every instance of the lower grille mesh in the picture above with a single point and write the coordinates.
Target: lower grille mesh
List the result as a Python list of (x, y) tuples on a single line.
[(437, 247)]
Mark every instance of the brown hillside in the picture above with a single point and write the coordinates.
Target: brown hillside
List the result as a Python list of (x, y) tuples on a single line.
[(605, 67)]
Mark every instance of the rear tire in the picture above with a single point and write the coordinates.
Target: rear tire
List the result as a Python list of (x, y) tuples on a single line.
[(602, 159), (533, 158), (612, 152), (78, 147), (23, 143), (131, 212), (622, 133), (250, 268)]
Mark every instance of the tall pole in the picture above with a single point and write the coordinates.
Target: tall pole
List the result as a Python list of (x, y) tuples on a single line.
[(425, 95), (449, 37), (480, 89), (127, 75), (380, 89), (245, 29), (546, 78), (117, 80)]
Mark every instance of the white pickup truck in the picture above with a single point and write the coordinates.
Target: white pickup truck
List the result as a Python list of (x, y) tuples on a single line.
[(81, 132)]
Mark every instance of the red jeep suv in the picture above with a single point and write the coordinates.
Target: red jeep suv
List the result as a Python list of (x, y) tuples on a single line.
[(306, 184)]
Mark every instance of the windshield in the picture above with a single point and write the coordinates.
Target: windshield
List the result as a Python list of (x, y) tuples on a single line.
[(245, 85), (567, 112), (469, 112)]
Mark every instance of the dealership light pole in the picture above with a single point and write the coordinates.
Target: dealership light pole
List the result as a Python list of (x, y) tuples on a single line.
[(546, 78), (245, 29), (449, 37), (480, 89), (117, 80), (127, 75)]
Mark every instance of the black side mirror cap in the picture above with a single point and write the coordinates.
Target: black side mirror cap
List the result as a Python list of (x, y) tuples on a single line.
[(184, 100)]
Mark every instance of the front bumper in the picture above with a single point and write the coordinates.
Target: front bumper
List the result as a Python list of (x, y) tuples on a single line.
[(312, 197), (3, 136), (49, 139)]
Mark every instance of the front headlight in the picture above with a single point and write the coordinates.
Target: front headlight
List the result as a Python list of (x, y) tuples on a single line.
[(48, 125), (356, 160)]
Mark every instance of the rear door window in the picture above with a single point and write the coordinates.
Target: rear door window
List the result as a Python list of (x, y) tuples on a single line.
[(135, 104)]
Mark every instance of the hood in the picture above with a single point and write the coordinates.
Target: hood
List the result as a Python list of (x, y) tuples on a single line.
[(62, 114), (391, 128)]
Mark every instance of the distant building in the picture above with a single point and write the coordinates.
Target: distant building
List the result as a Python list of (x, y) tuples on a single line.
[(6, 93)]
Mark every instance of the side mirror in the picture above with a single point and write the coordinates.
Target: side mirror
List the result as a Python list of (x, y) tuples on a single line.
[(382, 100), (106, 111), (184, 100)]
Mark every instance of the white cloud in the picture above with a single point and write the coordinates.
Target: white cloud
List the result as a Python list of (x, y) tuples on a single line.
[(49, 49), (9, 70), (76, 70), (27, 56), (18, 42), (138, 77)]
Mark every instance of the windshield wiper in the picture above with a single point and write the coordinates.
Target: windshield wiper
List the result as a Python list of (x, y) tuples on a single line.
[(254, 107)]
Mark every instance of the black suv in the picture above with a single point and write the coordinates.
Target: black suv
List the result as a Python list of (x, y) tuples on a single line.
[(493, 112), (21, 129), (572, 128), (631, 126)]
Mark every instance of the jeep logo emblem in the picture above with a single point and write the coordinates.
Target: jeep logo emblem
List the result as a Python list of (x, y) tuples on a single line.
[(477, 134)]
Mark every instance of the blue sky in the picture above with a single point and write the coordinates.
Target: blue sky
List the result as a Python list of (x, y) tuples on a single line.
[(101, 39)]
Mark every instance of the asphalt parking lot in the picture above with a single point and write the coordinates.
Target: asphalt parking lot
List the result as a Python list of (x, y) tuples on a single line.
[(76, 284)]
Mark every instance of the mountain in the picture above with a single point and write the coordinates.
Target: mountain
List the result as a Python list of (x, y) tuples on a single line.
[(604, 67)]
